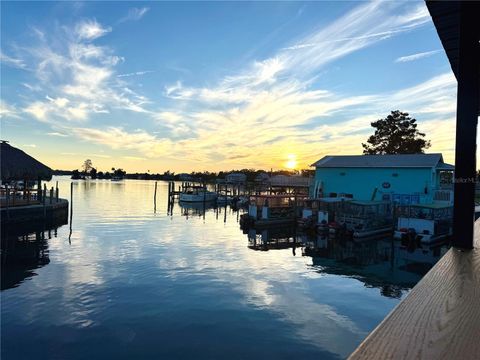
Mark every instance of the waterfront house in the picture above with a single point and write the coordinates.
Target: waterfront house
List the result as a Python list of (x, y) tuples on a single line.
[(236, 178), (404, 179), (262, 178)]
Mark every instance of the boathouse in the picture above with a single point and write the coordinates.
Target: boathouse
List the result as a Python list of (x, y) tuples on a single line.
[(405, 178), (22, 199)]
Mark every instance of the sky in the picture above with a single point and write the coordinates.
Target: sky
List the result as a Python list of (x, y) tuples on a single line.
[(193, 86)]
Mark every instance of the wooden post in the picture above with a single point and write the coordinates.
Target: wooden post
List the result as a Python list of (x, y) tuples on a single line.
[(71, 212), (204, 194), (51, 195), (39, 190), (155, 197), (225, 208), (56, 191), (7, 196), (466, 132), (44, 196), (295, 208)]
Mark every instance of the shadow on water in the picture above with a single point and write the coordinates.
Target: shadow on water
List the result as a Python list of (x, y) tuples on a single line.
[(393, 266), (24, 249)]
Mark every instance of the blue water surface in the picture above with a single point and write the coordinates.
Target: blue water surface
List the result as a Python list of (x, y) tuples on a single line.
[(127, 282)]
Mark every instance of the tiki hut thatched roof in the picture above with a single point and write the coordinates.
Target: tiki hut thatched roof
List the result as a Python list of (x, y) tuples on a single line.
[(17, 165)]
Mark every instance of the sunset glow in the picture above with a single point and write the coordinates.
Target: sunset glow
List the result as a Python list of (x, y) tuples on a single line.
[(82, 86), (292, 162)]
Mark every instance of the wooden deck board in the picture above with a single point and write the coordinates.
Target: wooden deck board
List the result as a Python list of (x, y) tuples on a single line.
[(439, 319)]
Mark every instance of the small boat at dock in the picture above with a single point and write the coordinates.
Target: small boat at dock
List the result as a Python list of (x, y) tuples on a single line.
[(425, 222), (197, 194)]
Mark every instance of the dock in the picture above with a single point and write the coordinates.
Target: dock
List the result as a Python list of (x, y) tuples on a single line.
[(440, 317), (50, 211)]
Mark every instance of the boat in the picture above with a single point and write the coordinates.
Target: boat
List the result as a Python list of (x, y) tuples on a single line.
[(224, 200), (362, 219), (317, 213), (272, 210), (425, 222), (240, 201), (197, 194)]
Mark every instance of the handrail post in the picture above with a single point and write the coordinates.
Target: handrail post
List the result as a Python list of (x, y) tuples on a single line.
[(466, 131)]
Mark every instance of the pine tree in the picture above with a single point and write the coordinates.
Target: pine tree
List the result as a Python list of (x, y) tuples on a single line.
[(396, 134)]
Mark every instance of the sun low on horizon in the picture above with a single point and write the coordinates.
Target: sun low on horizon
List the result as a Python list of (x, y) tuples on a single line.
[(112, 82), (291, 163)]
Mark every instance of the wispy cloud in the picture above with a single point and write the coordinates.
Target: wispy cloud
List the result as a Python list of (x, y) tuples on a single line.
[(256, 116), (104, 156), (136, 73), (57, 134), (11, 61), (417, 56), (277, 95), (134, 14), (76, 78), (134, 158), (90, 30), (30, 145), (7, 110)]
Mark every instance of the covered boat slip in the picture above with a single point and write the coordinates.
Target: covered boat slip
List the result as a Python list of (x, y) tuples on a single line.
[(273, 210)]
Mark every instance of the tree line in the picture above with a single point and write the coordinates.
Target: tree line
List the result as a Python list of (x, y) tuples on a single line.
[(395, 134), (90, 172)]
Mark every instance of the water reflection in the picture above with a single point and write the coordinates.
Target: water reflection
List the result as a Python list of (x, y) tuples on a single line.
[(393, 266), (24, 249), (199, 209), (195, 208), (274, 239), (137, 281)]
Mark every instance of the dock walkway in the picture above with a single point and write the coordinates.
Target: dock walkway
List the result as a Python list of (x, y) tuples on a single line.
[(56, 210)]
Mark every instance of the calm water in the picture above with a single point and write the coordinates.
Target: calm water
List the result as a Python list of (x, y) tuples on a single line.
[(131, 283)]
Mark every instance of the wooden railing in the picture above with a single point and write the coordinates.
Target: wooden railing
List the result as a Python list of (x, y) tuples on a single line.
[(440, 317), (11, 197)]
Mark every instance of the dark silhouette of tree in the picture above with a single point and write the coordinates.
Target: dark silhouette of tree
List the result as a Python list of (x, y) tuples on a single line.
[(76, 175), (396, 134), (120, 173), (87, 166), (93, 173)]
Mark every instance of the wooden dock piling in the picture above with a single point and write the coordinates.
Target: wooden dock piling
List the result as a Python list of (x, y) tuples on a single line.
[(71, 212), (155, 198)]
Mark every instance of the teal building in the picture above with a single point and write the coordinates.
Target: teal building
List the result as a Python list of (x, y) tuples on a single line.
[(406, 178)]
